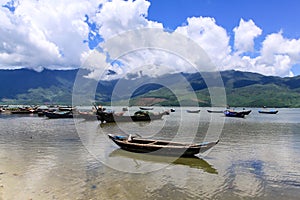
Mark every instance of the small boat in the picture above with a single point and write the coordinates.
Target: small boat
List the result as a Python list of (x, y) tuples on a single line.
[(66, 108), (245, 112), (268, 111), (59, 114), (161, 147), (193, 111), (232, 113), (146, 108), (23, 111), (172, 110), (108, 117), (215, 111), (41, 110)]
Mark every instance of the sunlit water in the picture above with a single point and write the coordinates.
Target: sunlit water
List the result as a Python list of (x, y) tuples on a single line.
[(256, 158)]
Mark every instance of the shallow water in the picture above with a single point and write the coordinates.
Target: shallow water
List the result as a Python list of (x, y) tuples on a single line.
[(257, 157)]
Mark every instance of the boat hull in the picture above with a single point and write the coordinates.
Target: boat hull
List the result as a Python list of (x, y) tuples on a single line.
[(146, 108), (215, 111), (193, 111), (268, 112), (53, 115), (228, 113)]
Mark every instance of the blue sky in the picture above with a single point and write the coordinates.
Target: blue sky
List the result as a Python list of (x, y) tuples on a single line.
[(260, 36), (271, 16)]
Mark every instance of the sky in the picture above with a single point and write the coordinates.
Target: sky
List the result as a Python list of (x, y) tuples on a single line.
[(249, 35)]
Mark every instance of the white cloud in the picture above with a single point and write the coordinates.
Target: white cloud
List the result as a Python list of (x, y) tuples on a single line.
[(46, 34), (279, 54), (51, 34), (211, 37), (244, 36), (119, 16)]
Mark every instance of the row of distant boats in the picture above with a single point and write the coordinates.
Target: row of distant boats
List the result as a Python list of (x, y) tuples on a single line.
[(98, 112), (107, 115), (236, 113), (135, 143)]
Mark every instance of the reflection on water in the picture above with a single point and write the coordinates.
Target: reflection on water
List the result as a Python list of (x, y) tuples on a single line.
[(257, 157), (140, 159)]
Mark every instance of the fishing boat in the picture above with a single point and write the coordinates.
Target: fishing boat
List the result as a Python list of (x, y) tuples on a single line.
[(268, 111), (23, 111), (245, 112), (215, 111), (232, 113), (59, 114), (108, 117), (66, 108), (146, 108), (161, 147), (193, 111)]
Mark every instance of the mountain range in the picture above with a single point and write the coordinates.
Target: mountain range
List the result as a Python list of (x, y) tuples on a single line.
[(243, 89)]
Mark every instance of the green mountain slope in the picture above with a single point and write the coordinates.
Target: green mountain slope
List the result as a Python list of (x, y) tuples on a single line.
[(242, 89)]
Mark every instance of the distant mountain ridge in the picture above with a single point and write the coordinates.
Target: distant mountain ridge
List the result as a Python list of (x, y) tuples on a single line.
[(246, 89)]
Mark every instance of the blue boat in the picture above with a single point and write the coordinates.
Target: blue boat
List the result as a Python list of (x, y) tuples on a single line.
[(232, 113), (268, 111)]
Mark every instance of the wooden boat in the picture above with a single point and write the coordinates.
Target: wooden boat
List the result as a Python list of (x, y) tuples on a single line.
[(59, 114), (168, 148), (232, 113), (215, 111), (193, 111), (146, 108), (66, 108), (22, 111), (192, 162), (108, 117), (245, 112), (41, 110), (268, 111)]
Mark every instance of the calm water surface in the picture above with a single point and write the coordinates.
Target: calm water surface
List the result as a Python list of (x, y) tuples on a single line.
[(256, 158)]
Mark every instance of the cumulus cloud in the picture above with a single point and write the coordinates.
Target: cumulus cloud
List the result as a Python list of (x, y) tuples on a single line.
[(244, 36), (119, 16), (279, 54), (44, 34), (61, 35), (211, 37), (276, 56)]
